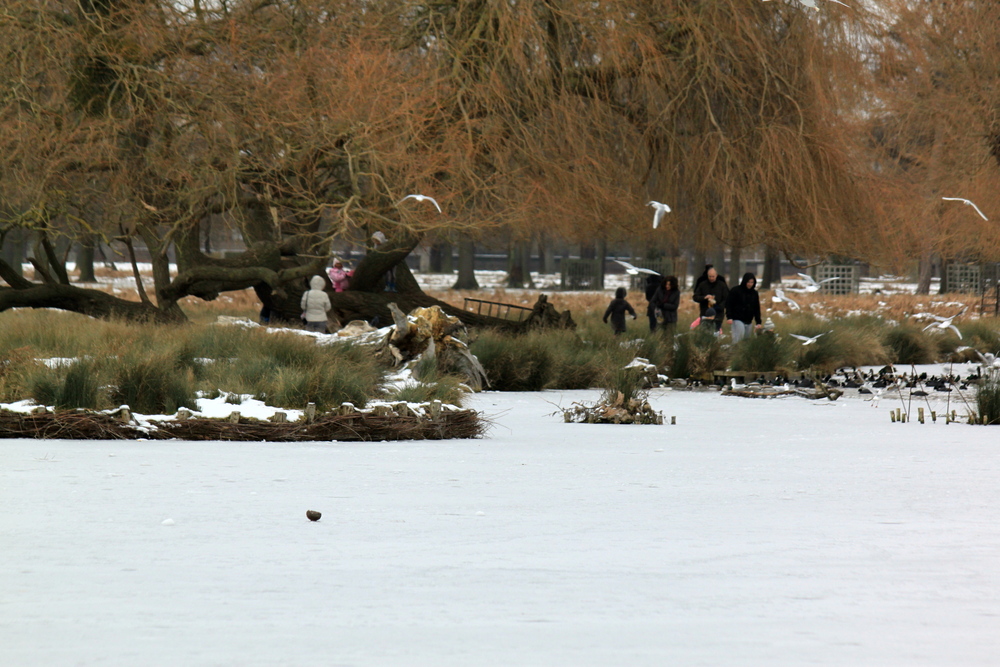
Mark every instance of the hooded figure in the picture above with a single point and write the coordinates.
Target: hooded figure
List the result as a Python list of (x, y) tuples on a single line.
[(315, 305), (654, 286), (743, 307), (617, 309)]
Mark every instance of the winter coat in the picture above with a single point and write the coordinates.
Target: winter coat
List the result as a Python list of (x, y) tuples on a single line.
[(718, 289), (315, 302), (653, 283), (668, 302), (616, 310), (339, 278), (743, 303)]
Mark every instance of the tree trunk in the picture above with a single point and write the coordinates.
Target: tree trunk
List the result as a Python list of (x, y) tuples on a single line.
[(93, 303), (735, 265), (85, 260), (719, 261), (772, 268), (515, 265), (466, 264), (12, 251), (526, 263), (447, 257), (546, 248), (925, 272), (602, 252), (699, 259), (944, 286)]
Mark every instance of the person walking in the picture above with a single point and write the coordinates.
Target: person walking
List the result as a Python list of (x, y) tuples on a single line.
[(743, 308), (712, 293), (668, 300), (617, 309), (315, 305), (654, 285)]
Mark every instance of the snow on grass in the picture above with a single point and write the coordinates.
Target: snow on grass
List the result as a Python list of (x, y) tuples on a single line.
[(787, 532)]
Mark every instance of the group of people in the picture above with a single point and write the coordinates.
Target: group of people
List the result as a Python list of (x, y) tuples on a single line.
[(717, 303)]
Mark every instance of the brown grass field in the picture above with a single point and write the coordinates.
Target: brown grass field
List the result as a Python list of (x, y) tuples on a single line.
[(898, 307)]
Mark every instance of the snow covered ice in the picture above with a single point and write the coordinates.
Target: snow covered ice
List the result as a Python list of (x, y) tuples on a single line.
[(754, 532)]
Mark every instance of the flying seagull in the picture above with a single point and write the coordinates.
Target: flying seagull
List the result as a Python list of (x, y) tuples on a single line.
[(806, 340), (421, 198), (989, 360), (966, 201), (945, 323), (661, 209), (812, 285), (779, 296), (812, 3), (635, 270)]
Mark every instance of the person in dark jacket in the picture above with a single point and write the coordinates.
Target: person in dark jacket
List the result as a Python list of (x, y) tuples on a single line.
[(704, 275), (712, 293), (654, 287), (667, 300), (617, 309), (743, 307)]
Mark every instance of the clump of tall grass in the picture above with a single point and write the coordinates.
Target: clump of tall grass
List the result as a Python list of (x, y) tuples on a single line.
[(909, 345), (16, 366), (762, 353), (80, 387), (287, 370), (697, 354), (988, 398), (859, 339), (622, 386), (981, 335), (513, 363), (824, 355), (51, 334), (155, 383)]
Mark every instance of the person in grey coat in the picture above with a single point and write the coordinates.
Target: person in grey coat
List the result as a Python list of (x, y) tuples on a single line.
[(315, 305)]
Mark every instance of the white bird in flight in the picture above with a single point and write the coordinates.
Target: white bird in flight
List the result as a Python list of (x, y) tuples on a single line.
[(966, 201), (661, 210), (945, 323), (779, 296), (806, 340), (989, 360), (812, 285), (812, 3), (421, 198), (635, 270)]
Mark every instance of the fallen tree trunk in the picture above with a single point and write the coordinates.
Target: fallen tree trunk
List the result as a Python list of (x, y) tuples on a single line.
[(93, 303)]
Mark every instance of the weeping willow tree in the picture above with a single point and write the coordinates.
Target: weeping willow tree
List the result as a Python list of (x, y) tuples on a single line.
[(739, 114), (937, 133), (291, 122), (297, 121)]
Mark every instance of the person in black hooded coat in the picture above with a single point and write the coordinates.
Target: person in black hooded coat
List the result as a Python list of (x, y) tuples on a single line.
[(654, 286), (617, 309), (743, 307)]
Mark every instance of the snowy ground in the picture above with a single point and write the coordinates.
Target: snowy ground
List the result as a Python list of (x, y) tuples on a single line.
[(754, 532)]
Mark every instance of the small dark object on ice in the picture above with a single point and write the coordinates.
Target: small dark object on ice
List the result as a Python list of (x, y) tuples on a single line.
[(313, 515)]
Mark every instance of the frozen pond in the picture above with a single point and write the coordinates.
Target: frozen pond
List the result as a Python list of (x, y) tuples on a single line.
[(754, 532)]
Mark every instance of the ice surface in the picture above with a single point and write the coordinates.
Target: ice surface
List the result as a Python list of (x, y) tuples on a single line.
[(755, 532)]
